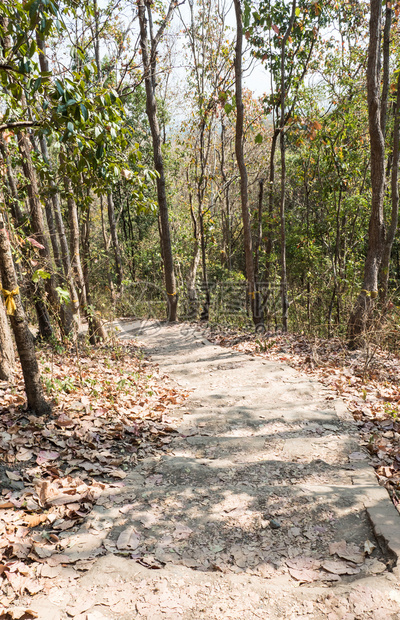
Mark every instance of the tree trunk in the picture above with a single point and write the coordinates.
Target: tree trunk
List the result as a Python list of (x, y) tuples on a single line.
[(259, 231), (151, 110), (226, 219), (107, 259), (95, 326), (191, 281), (376, 233), (391, 233), (194, 265), (115, 242), (19, 324), (68, 310), (14, 201), (284, 285), (36, 293), (36, 214), (248, 249), (269, 231), (7, 359)]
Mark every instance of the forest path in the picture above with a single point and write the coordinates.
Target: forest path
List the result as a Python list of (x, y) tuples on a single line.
[(256, 510)]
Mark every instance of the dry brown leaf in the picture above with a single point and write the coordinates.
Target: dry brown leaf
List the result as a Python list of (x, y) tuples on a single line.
[(63, 498), (182, 531), (19, 612), (305, 576), (340, 568), (13, 475), (118, 473), (34, 520), (128, 539), (5, 505), (351, 553), (24, 454), (58, 558), (45, 456)]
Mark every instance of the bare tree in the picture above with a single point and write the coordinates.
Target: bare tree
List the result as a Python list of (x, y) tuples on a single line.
[(149, 72), (248, 245), (376, 232)]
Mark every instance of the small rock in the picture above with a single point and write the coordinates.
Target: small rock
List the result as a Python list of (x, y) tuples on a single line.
[(274, 524)]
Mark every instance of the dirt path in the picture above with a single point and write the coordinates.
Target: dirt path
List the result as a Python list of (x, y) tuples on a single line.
[(257, 510)]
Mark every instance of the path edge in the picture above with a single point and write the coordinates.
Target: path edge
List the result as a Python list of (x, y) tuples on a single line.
[(383, 515)]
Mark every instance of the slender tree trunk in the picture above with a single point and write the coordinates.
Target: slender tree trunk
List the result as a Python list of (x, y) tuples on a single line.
[(376, 232), (191, 281), (7, 359), (391, 232), (103, 229), (115, 241), (269, 231), (284, 285), (36, 292), (205, 313), (194, 265), (19, 324), (14, 201), (36, 213), (151, 110), (248, 249), (259, 231), (95, 325), (63, 256), (226, 228)]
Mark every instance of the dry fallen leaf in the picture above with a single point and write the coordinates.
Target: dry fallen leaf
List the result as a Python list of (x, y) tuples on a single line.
[(340, 568), (13, 475), (45, 456), (181, 531), (128, 539), (5, 505), (24, 454), (305, 575), (19, 612), (368, 547), (34, 520)]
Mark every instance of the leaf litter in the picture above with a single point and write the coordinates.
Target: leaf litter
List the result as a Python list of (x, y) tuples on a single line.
[(110, 410)]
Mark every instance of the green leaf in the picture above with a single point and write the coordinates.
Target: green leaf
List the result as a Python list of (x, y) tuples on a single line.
[(84, 111), (59, 88), (258, 139), (40, 274), (297, 12), (37, 84), (228, 108), (63, 295)]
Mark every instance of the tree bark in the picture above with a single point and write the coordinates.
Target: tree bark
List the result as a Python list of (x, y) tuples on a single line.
[(72, 308), (36, 293), (14, 201), (391, 232), (36, 213), (269, 231), (149, 62), (115, 241), (284, 285), (376, 233), (248, 246), (96, 327), (23, 337), (107, 259), (7, 359)]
